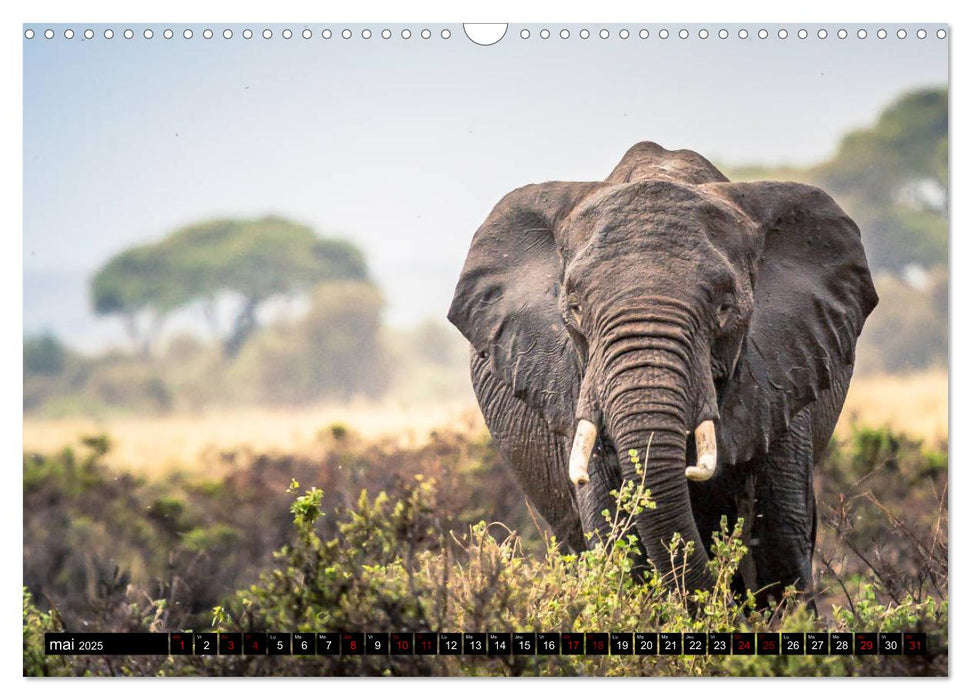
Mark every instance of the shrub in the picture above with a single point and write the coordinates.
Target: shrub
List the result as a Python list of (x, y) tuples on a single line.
[(391, 540)]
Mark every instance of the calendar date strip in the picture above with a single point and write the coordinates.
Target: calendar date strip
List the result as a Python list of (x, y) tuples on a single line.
[(486, 643)]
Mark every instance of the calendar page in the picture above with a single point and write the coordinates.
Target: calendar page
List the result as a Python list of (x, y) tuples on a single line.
[(543, 349)]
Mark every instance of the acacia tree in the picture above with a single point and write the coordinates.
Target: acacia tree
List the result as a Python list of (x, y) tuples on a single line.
[(251, 260), (135, 285)]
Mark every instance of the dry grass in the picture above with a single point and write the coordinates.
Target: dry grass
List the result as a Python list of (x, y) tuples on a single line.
[(157, 444), (915, 403), (912, 403)]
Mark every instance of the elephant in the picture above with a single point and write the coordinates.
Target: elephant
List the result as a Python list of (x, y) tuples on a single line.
[(665, 306)]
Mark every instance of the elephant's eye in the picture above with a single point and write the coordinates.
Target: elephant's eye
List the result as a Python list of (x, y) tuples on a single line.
[(725, 311), (575, 311)]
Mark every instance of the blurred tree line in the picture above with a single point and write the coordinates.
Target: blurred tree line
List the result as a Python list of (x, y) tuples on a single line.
[(329, 341), (292, 317), (892, 178)]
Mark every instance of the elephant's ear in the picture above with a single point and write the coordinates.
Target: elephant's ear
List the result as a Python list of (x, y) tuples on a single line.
[(812, 293), (506, 305)]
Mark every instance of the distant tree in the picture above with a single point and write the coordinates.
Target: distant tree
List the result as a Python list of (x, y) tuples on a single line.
[(333, 350), (44, 355), (907, 143), (908, 330), (253, 260), (256, 260), (136, 285), (892, 177)]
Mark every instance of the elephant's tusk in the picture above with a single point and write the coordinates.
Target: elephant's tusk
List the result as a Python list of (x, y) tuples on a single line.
[(583, 442), (707, 452)]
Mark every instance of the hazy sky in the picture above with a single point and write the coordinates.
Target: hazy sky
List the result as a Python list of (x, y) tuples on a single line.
[(402, 146)]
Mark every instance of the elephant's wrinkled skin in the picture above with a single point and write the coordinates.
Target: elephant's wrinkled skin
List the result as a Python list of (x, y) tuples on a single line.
[(653, 301)]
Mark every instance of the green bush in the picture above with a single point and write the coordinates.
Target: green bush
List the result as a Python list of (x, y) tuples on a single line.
[(391, 569), (392, 540), (882, 503), (36, 623)]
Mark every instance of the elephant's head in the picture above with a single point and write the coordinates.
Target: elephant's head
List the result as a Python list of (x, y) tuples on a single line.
[(664, 303)]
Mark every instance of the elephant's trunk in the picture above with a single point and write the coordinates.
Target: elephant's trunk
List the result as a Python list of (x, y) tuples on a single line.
[(647, 402)]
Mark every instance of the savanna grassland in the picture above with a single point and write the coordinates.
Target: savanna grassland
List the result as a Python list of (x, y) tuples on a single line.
[(321, 521), (268, 453), (913, 403)]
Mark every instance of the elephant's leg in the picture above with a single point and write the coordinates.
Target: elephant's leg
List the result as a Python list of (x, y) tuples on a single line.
[(784, 532), (716, 498), (537, 456), (712, 499)]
